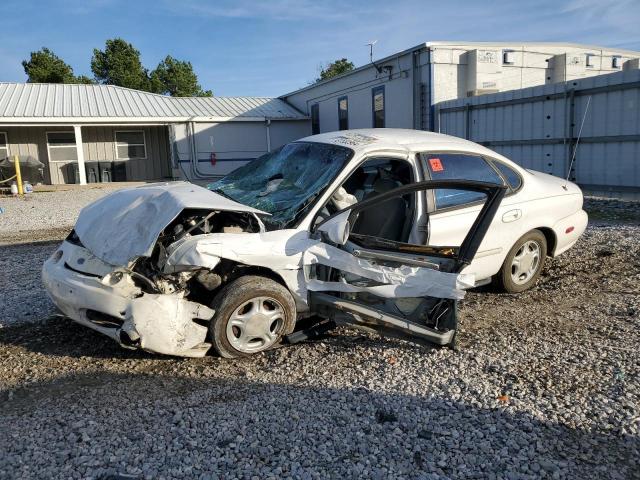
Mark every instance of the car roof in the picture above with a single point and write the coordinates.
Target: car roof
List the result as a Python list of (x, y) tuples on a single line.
[(368, 139)]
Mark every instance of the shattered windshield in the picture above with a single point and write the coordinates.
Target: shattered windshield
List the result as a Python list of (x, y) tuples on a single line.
[(284, 181)]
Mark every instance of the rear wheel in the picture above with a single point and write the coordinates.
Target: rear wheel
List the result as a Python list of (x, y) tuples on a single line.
[(523, 264), (252, 314)]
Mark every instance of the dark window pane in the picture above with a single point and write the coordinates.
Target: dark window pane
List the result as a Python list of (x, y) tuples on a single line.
[(131, 151), (378, 107), (136, 138), (512, 177), (3, 140), (64, 153), (315, 119), (343, 113), (61, 138), (452, 166)]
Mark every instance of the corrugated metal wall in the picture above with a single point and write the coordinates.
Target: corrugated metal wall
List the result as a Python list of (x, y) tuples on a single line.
[(538, 128)]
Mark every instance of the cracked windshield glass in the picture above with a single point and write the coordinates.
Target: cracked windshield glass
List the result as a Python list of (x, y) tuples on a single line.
[(286, 181)]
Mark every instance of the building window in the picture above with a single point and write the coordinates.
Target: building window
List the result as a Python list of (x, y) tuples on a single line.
[(508, 57), (130, 145), (377, 100), (62, 146), (343, 113), (315, 119), (616, 62), (4, 146), (590, 60)]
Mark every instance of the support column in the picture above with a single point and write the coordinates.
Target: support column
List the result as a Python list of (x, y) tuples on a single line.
[(77, 130)]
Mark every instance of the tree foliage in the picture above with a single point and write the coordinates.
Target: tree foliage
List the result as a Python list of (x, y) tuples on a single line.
[(176, 78), (44, 66), (119, 64), (334, 69)]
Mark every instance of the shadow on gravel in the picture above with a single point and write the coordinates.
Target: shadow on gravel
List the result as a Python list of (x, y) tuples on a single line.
[(61, 336), (180, 427)]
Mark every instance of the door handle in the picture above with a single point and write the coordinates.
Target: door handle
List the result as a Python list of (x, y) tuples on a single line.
[(511, 216)]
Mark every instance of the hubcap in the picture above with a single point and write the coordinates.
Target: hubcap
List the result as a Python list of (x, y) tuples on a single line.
[(526, 262), (255, 325)]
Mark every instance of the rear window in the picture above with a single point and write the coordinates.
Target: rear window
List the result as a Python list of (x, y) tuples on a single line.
[(458, 166), (510, 175)]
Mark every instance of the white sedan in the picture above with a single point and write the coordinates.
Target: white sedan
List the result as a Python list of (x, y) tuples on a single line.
[(381, 229)]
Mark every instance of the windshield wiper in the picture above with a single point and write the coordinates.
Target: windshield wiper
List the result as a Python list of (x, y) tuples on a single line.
[(219, 191)]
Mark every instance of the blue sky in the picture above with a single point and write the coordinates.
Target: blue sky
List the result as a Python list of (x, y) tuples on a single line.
[(268, 48)]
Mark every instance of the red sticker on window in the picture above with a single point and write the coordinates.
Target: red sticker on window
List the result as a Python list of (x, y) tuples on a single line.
[(436, 165)]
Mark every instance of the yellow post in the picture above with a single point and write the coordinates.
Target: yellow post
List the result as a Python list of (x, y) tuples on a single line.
[(16, 163)]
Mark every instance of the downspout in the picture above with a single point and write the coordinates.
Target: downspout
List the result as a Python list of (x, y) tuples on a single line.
[(416, 90), (268, 124), (431, 95)]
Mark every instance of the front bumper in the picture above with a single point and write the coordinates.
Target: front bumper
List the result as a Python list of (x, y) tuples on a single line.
[(159, 323)]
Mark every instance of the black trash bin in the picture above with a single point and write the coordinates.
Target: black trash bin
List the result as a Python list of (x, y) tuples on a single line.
[(106, 172), (92, 170), (119, 171)]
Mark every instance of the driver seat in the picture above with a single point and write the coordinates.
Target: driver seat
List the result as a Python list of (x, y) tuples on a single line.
[(385, 220)]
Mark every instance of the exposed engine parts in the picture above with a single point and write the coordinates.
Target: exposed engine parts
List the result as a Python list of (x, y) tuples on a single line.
[(148, 272)]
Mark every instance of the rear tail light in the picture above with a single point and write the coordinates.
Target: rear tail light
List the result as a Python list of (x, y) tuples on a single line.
[(569, 230)]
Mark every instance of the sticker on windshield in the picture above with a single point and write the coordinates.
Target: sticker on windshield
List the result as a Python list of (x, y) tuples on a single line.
[(354, 139), (436, 165)]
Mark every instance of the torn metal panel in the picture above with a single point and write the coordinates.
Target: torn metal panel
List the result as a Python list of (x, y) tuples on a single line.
[(125, 224), (292, 250), (164, 324)]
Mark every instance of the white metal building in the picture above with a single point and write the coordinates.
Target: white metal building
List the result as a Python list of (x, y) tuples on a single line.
[(402, 89), (94, 133)]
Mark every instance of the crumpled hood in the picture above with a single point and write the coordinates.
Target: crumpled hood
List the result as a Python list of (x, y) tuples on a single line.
[(126, 224)]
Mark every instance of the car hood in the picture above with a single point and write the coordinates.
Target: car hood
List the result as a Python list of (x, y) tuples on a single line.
[(126, 224)]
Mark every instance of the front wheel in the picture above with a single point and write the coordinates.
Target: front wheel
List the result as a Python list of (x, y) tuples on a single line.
[(523, 264), (252, 314)]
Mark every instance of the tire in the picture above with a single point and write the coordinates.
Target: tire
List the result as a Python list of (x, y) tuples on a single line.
[(252, 314), (532, 247)]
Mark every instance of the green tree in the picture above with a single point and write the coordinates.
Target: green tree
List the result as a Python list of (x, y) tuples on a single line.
[(83, 79), (119, 64), (44, 66), (176, 78), (334, 69)]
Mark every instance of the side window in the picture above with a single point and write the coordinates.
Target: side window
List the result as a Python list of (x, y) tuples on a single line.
[(315, 119), (377, 103), (4, 146), (511, 176), (458, 166), (343, 113)]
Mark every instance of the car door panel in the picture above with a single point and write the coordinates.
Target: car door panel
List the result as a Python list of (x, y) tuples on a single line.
[(357, 301)]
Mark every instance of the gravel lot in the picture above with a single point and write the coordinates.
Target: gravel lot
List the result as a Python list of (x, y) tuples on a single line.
[(44, 215), (543, 384)]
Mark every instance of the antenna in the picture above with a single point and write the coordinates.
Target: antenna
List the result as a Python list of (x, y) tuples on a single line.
[(370, 45), (575, 147)]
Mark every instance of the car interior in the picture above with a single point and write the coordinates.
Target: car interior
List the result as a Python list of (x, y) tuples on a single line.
[(391, 220)]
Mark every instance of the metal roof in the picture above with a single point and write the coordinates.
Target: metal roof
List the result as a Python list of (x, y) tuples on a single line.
[(50, 102)]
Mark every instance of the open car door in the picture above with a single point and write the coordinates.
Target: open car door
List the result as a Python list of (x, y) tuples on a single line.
[(394, 287)]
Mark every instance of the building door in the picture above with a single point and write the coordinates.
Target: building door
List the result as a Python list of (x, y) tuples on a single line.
[(63, 157)]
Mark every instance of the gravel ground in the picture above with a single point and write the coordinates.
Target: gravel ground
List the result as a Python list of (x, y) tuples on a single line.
[(543, 385), (44, 215)]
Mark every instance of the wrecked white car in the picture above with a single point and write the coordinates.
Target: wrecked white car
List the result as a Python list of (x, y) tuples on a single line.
[(330, 230)]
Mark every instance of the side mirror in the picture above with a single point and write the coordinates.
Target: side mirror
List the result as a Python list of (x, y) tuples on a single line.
[(337, 229)]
